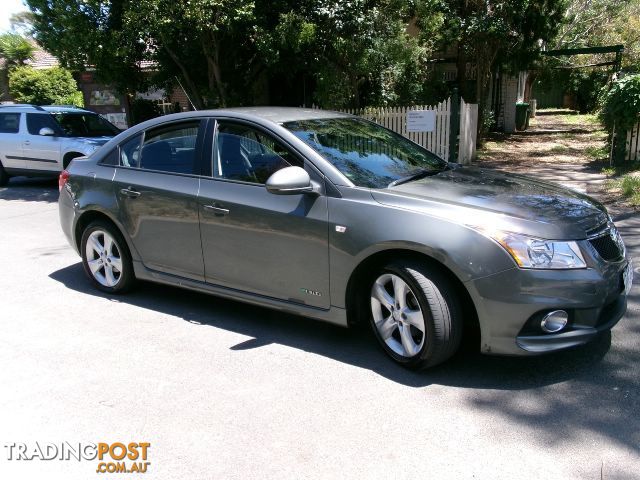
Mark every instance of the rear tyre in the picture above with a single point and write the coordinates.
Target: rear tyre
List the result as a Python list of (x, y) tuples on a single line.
[(106, 258), (414, 314), (4, 176)]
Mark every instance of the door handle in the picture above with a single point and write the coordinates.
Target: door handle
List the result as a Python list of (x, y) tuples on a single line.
[(27, 142), (127, 192), (217, 210)]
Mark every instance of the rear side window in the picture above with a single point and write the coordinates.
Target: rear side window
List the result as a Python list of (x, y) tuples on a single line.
[(171, 148), (9, 122), (130, 152), (37, 121)]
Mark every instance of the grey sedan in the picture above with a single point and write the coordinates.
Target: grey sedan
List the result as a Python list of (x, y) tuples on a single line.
[(334, 217)]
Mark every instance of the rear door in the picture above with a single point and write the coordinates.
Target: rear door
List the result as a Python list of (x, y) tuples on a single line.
[(157, 186), (11, 141), (42, 152)]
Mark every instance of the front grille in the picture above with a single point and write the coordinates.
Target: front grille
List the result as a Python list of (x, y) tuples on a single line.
[(606, 247)]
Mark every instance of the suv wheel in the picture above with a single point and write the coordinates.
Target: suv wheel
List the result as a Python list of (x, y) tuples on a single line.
[(4, 176), (106, 258), (414, 314)]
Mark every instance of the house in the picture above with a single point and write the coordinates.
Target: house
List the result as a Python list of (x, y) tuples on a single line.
[(99, 97)]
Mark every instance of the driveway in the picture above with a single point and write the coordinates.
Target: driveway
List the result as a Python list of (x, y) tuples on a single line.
[(225, 390)]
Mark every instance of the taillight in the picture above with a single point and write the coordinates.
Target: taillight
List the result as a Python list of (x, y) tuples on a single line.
[(62, 179)]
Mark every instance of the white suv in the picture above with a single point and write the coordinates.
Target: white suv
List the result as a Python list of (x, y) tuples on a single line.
[(42, 141)]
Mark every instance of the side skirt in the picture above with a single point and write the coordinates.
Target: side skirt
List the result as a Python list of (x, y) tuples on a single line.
[(334, 315)]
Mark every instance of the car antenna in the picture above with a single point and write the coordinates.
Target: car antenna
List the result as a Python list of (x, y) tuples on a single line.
[(186, 94)]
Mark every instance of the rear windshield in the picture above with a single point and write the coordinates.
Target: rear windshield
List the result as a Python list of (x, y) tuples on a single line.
[(85, 125)]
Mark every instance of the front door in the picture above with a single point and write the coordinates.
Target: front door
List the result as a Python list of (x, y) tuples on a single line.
[(255, 241), (157, 189)]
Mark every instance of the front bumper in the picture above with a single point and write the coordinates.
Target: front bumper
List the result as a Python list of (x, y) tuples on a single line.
[(511, 304)]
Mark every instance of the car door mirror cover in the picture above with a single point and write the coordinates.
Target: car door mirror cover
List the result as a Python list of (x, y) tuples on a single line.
[(290, 181), (46, 132)]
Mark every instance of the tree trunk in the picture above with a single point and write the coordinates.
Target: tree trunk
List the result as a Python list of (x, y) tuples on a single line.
[(485, 58), (191, 86), (528, 86), (211, 48)]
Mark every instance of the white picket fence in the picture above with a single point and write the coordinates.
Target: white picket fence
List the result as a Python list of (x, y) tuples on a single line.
[(436, 141), (633, 143)]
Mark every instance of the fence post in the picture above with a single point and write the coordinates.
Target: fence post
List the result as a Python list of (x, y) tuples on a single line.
[(454, 126)]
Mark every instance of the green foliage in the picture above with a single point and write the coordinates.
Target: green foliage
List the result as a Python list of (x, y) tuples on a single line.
[(621, 104), (601, 22), (245, 51), (587, 86), (143, 109), (44, 87), (14, 49), (628, 185)]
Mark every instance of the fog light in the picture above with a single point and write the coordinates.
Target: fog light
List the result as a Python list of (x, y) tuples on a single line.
[(554, 321)]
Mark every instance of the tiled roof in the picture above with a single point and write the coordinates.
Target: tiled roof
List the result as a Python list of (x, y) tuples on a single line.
[(41, 58)]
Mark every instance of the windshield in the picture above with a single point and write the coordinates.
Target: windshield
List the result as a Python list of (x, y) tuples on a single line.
[(85, 125), (366, 153)]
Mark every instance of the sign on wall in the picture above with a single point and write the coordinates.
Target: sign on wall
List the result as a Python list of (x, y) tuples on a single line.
[(421, 120), (118, 119), (103, 97)]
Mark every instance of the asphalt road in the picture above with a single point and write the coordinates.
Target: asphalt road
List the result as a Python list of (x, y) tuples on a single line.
[(225, 390)]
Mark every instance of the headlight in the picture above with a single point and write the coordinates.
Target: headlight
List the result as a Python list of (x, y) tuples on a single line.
[(543, 254)]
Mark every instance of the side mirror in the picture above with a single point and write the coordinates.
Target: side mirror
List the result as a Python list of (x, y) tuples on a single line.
[(46, 132), (289, 181)]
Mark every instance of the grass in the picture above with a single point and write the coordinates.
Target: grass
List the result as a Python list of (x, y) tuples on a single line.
[(581, 119), (597, 153), (559, 149), (625, 179)]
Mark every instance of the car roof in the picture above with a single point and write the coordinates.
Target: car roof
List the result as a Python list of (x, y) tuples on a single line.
[(20, 107), (283, 114)]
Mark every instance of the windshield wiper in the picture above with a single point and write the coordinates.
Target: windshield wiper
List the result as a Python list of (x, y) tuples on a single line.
[(417, 176)]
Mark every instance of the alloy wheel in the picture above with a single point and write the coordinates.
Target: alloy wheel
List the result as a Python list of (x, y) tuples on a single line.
[(397, 315), (104, 258)]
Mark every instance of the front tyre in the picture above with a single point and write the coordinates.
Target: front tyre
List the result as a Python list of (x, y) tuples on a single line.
[(414, 314), (106, 258)]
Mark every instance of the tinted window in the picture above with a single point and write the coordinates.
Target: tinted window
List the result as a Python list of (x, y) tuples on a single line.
[(171, 149), (130, 152), (112, 158), (243, 153), (84, 125), (366, 153), (36, 121), (9, 122)]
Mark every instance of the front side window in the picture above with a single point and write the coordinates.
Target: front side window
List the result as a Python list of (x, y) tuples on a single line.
[(9, 122), (84, 125), (366, 153), (246, 154), (171, 148)]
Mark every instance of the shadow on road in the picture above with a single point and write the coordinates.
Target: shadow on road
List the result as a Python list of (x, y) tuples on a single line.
[(468, 369), (30, 190), (583, 388)]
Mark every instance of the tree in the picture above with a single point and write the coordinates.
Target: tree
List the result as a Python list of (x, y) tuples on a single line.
[(44, 87), (15, 50), (496, 34), (241, 51)]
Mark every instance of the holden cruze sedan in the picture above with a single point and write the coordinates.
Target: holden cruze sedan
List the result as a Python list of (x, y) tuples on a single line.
[(330, 216)]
